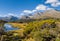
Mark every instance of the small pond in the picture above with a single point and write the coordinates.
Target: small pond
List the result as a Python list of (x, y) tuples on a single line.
[(8, 27)]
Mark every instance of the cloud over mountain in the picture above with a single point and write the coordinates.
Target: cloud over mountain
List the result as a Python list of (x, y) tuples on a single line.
[(38, 8), (53, 3), (41, 7), (27, 11)]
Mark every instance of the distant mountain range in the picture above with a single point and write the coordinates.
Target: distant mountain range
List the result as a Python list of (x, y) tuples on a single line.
[(38, 15), (9, 18)]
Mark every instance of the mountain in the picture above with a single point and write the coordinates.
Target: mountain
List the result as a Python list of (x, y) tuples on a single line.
[(13, 18), (24, 17), (9, 18), (51, 13), (46, 14), (37, 15)]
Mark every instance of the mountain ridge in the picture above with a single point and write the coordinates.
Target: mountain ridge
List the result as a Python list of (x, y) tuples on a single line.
[(37, 15)]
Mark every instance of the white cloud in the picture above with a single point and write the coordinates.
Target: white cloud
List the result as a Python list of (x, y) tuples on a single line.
[(50, 9), (38, 8), (3, 15), (7, 15), (53, 3), (58, 3), (34, 11), (0, 15), (41, 7), (27, 11), (10, 14)]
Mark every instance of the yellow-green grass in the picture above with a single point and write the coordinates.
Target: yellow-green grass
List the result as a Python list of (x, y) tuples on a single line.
[(18, 25)]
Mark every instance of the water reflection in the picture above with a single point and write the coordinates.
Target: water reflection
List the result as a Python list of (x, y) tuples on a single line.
[(8, 27)]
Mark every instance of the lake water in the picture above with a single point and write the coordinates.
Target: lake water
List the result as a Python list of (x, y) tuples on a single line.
[(8, 27)]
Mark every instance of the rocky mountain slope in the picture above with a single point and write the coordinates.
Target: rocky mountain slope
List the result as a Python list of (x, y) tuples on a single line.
[(46, 14)]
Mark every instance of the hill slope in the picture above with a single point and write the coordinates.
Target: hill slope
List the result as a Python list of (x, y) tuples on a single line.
[(43, 30)]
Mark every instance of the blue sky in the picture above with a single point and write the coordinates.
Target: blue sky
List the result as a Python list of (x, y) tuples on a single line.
[(18, 7)]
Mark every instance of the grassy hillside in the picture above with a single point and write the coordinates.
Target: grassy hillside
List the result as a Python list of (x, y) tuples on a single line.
[(42, 30), (18, 25)]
